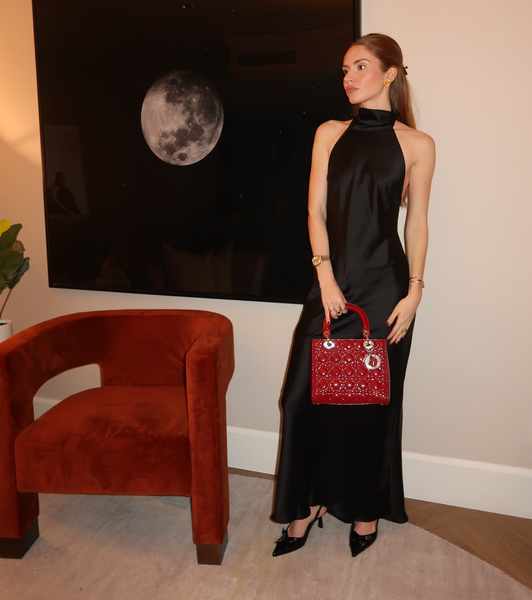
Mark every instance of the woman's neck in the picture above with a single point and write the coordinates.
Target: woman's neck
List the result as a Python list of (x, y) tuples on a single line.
[(376, 105)]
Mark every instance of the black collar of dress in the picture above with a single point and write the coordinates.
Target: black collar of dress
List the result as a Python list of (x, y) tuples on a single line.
[(374, 119)]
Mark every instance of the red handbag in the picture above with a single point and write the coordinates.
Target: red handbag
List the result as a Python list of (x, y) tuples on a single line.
[(349, 371)]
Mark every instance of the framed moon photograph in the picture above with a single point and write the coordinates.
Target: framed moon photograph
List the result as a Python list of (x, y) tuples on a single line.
[(177, 138)]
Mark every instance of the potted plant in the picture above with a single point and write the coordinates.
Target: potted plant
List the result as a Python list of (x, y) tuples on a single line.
[(13, 265)]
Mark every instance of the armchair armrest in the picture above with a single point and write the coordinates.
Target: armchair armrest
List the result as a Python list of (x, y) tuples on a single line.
[(27, 360), (32, 357), (209, 366)]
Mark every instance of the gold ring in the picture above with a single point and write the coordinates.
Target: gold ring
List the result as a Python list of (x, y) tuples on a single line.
[(403, 331)]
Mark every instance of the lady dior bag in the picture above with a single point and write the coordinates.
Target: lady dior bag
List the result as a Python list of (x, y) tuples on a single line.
[(349, 371)]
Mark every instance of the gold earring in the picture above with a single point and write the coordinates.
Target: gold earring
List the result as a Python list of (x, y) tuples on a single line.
[(387, 83)]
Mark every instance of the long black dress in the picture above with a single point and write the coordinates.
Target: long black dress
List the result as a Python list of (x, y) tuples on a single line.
[(348, 458)]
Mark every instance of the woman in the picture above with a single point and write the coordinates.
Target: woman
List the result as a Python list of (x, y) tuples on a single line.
[(346, 460)]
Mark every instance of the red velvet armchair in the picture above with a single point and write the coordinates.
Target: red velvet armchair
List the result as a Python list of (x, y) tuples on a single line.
[(156, 426)]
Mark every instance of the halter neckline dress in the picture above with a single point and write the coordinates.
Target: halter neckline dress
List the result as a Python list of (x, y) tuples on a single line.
[(348, 458)]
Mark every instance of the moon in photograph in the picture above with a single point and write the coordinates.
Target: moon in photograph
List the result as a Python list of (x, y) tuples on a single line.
[(182, 118)]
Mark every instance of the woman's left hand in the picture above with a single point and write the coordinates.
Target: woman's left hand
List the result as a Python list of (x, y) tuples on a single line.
[(403, 314)]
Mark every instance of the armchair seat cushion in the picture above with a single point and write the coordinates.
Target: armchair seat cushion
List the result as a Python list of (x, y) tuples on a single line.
[(109, 440)]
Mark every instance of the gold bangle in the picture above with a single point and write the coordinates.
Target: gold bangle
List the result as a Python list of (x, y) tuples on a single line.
[(420, 281)]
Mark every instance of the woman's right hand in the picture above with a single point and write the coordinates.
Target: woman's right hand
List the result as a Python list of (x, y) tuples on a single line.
[(332, 299)]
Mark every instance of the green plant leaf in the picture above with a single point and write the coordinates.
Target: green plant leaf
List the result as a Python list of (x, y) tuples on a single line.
[(12, 280), (18, 246), (9, 262), (8, 238)]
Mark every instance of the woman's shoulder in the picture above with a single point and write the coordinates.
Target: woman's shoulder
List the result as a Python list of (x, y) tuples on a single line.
[(332, 127), (413, 136), (419, 142), (329, 132)]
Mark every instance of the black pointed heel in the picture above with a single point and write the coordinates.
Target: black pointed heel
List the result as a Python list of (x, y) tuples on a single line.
[(286, 544), (359, 543)]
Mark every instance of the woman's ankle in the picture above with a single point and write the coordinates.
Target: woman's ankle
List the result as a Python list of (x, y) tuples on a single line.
[(365, 527), (298, 527)]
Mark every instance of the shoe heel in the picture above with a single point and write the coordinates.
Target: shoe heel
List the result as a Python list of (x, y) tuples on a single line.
[(320, 519)]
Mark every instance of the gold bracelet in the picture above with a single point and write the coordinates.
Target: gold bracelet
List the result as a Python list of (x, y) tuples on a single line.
[(420, 281)]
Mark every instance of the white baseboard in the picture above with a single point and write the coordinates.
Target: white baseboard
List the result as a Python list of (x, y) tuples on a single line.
[(465, 483), (252, 450), (469, 484)]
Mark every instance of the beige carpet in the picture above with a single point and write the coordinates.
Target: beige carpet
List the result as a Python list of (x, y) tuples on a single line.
[(111, 548)]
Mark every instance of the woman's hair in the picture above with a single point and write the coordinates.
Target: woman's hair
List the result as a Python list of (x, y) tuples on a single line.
[(389, 54)]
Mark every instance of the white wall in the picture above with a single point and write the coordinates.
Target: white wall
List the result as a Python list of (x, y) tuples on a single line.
[(468, 400), (469, 386)]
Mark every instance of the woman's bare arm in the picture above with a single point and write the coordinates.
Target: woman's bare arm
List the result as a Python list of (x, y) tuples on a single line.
[(416, 230), (326, 136)]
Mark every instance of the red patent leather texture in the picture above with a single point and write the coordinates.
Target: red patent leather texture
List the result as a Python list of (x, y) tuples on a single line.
[(342, 373)]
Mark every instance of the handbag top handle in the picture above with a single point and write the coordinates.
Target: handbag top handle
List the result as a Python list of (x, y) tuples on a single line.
[(360, 313)]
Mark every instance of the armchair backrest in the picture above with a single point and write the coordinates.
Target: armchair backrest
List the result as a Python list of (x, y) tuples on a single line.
[(131, 347)]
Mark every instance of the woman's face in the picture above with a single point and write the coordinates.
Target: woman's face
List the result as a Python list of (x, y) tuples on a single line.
[(364, 79)]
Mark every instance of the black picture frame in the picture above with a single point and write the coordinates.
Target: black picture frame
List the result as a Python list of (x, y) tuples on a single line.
[(233, 224)]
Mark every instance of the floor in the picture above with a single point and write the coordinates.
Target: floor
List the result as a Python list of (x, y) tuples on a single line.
[(502, 541)]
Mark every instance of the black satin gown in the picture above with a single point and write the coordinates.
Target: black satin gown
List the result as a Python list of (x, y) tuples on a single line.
[(348, 458)]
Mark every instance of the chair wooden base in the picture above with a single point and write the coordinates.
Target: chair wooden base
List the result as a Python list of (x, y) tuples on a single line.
[(211, 554), (17, 547)]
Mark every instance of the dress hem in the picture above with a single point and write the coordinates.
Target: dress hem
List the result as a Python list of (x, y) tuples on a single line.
[(398, 520)]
